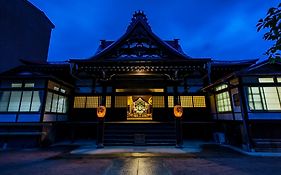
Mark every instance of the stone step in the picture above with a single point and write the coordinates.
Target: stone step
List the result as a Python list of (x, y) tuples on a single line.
[(139, 134)]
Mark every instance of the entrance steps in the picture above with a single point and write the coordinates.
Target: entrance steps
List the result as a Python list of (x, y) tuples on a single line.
[(139, 133)]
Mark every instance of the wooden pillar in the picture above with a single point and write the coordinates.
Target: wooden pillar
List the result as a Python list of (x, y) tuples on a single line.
[(246, 134), (100, 124), (167, 112), (178, 121)]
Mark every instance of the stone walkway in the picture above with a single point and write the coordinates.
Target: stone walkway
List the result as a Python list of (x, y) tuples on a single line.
[(196, 158), (89, 148)]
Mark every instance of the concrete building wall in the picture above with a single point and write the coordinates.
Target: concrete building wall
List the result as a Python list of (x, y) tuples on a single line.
[(24, 33)]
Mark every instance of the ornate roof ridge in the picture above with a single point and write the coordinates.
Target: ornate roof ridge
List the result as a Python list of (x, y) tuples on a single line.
[(139, 16)]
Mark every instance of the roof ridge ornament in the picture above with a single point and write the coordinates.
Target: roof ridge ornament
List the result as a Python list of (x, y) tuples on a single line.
[(139, 16)]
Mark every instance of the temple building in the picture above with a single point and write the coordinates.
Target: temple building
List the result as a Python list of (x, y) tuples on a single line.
[(139, 78)]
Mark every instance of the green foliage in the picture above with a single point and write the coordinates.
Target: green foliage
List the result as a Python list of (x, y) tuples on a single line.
[(272, 23)]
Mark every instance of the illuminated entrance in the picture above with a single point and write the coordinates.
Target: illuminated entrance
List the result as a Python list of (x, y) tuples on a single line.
[(139, 107)]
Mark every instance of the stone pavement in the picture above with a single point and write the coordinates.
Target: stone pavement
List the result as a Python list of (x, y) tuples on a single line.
[(188, 147), (68, 159)]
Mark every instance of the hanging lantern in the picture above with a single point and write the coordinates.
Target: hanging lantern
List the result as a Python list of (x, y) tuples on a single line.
[(178, 111), (101, 111)]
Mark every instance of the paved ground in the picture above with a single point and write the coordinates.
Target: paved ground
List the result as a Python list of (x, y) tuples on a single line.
[(212, 159)]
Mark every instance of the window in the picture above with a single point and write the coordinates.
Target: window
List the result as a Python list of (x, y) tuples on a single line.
[(48, 102), (223, 102), (55, 103), (16, 85), (186, 101), (121, 101), (221, 87), (193, 101), (92, 102), (139, 90), (20, 100), (254, 98), (29, 85), (62, 90), (61, 101), (234, 81), (14, 101), (199, 101), (79, 102), (57, 87), (170, 101), (279, 79), (181, 89), (89, 101), (108, 89), (108, 101), (264, 98), (26, 101), (4, 100), (266, 80), (271, 98), (98, 89), (170, 89), (158, 102), (36, 102)]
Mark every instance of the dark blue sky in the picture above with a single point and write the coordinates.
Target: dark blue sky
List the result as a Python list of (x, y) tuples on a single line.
[(219, 29)]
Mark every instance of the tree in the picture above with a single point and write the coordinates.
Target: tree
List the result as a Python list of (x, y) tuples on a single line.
[(272, 23)]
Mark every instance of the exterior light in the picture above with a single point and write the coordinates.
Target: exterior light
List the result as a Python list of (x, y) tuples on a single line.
[(101, 111), (178, 111)]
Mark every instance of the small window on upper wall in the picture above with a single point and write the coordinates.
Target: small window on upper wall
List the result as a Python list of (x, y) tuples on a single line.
[(266, 80), (170, 89), (109, 89), (56, 88), (29, 85), (16, 85), (181, 89), (279, 79), (221, 87), (62, 90), (234, 81), (98, 89)]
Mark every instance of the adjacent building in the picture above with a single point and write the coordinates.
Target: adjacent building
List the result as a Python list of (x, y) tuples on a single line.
[(24, 34)]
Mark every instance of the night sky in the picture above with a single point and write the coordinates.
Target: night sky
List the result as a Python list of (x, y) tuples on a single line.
[(218, 29)]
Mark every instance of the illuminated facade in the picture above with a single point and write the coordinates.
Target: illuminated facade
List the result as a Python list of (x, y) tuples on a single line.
[(139, 79)]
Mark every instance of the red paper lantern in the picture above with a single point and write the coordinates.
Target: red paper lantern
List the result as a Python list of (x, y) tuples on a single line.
[(101, 111), (178, 111)]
